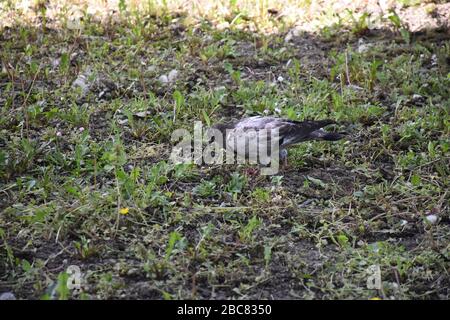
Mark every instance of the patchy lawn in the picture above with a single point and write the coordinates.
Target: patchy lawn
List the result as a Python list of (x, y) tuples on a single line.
[(89, 97)]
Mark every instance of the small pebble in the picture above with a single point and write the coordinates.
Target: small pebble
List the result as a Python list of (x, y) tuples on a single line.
[(163, 79), (133, 272), (417, 97), (7, 296), (434, 60), (363, 48), (354, 87), (432, 218), (172, 75), (288, 37)]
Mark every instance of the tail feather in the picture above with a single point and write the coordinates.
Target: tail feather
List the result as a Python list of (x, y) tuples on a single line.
[(328, 136)]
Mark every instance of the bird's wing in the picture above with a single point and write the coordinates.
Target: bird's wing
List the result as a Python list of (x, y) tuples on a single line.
[(292, 132), (246, 135)]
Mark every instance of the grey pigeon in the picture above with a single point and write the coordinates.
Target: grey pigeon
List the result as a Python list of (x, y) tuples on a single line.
[(290, 132)]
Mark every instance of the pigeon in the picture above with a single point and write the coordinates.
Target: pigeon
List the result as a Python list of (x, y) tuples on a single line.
[(290, 133)]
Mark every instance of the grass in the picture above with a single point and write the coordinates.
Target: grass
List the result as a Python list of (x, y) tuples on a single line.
[(85, 126)]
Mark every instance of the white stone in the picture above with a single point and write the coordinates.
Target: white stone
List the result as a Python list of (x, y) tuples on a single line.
[(432, 218), (173, 74), (163, 79), (7, 296), (288, 37)]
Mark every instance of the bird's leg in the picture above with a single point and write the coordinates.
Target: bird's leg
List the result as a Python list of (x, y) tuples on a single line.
[(283, 158)]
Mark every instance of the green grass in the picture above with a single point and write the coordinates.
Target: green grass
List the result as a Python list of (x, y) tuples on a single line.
[(85, 178)]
